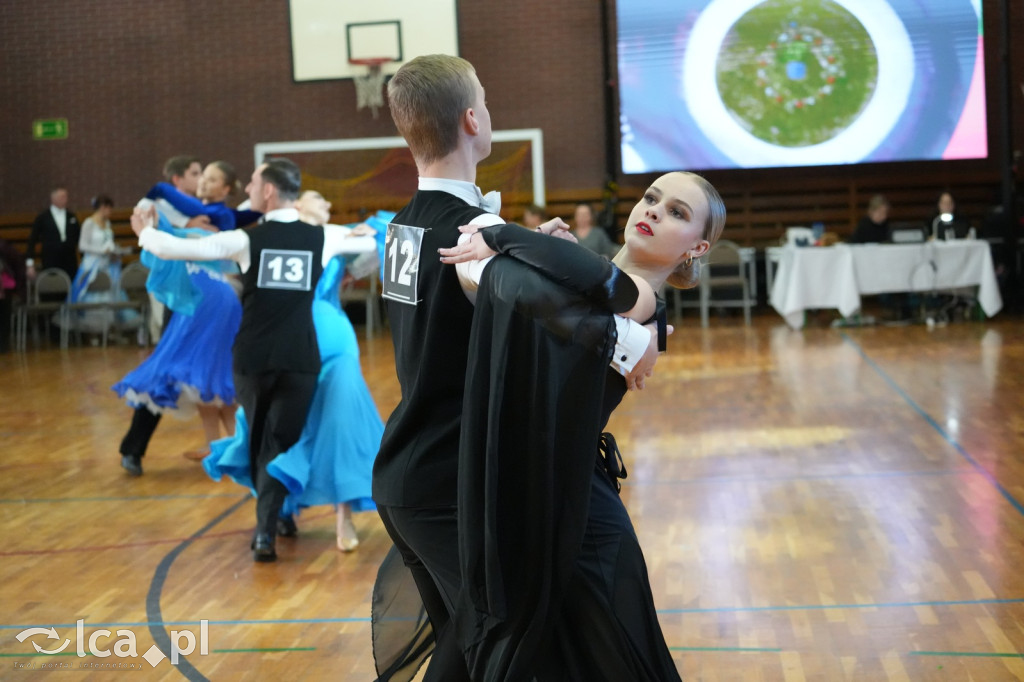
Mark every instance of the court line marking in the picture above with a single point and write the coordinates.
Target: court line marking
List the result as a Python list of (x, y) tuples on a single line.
[(215, 651), (935, 425), (809, 477), (633, 481), (127, 545), (141, 543), (973, 654), (188, 623), (727, 649), (161, 636), (692, 649), (264, 649), (366, 619), (826, 607), (153, 610), (131, 498)]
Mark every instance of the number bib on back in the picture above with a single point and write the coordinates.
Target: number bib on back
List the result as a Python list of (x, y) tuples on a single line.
[(284, 269), (402, 250)]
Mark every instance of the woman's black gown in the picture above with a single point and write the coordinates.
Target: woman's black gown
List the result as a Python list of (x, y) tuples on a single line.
[(555, 584)]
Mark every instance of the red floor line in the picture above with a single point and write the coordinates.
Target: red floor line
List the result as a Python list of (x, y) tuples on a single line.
[(147, 543)]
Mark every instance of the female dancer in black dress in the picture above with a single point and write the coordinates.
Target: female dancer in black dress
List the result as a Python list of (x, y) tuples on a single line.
[(554, 582)]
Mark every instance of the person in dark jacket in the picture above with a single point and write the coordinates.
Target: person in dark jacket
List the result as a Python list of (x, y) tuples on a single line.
[(12, 286), (56, 231), (874, 227)]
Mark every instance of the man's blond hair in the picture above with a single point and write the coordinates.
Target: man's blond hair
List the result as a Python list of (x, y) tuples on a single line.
[(427, 98)]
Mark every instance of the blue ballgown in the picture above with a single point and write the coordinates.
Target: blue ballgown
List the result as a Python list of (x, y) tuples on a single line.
[(333, 460), (192, 363)]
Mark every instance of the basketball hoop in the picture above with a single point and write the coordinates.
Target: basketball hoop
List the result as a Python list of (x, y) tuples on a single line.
[(370, 85)]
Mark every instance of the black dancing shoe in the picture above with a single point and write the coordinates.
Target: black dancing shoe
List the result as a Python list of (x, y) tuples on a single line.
[(286, 527), (263, 548), (132, 464)]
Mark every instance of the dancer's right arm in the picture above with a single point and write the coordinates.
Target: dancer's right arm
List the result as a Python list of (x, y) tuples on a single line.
[(232, 245), (636, 348), (217, 214), (564, 262), (190, 206)]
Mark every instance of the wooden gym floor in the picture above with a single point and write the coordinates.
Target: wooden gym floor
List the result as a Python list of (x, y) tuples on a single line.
[(818, 505)]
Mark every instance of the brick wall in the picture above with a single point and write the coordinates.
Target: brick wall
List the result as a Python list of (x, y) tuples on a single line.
[(139, 82)]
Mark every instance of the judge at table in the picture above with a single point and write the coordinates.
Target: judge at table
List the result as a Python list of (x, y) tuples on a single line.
[(946, 222), (874, 227)]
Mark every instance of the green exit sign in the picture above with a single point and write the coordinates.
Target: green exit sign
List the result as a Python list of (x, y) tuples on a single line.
[(50, 129)]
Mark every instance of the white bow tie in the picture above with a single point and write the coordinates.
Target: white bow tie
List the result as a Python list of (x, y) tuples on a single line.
[(490, 202)]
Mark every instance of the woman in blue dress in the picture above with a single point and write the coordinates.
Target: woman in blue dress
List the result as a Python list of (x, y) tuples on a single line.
[(333, 459), (191, 368), (217, 182)]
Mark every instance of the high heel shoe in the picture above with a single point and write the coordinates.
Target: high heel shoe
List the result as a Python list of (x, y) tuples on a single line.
[(196, 455), (348, 539)]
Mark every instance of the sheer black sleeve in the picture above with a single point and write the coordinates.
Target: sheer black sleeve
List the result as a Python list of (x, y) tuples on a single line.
[(567, 264)]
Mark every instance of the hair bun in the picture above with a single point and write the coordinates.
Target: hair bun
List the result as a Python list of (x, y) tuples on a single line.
[(685, 276)]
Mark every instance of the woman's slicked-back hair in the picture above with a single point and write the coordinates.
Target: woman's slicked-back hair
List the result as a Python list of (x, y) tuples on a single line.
[(230, 175), (687, 275)]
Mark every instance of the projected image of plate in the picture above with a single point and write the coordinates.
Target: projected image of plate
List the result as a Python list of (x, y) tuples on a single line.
[(796, 73), (797, 82)]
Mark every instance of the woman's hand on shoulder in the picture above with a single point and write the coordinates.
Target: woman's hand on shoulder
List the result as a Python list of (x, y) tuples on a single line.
[(201, 221), (143, 216), (471, 246)]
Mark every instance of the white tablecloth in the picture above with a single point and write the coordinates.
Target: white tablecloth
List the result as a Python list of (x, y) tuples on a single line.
[(837, 276)]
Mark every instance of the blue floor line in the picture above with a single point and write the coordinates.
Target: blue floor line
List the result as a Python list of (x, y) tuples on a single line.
[(632, 481), (722, 609), (829, 607), (935, 425)]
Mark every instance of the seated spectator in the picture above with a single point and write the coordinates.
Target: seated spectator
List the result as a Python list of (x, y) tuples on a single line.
[(946, 222), (533, 216), (591, 236), (874, 227), (12, 284)]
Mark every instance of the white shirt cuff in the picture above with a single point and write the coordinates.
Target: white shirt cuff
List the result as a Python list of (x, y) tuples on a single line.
[(631, 343)]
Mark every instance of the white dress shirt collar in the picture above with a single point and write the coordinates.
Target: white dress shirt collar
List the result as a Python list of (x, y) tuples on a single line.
[(464, 190), (467, 191), (281, 215), (60, 218)]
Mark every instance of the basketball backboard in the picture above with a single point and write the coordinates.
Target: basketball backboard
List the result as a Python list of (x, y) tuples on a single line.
[(327, 34)]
